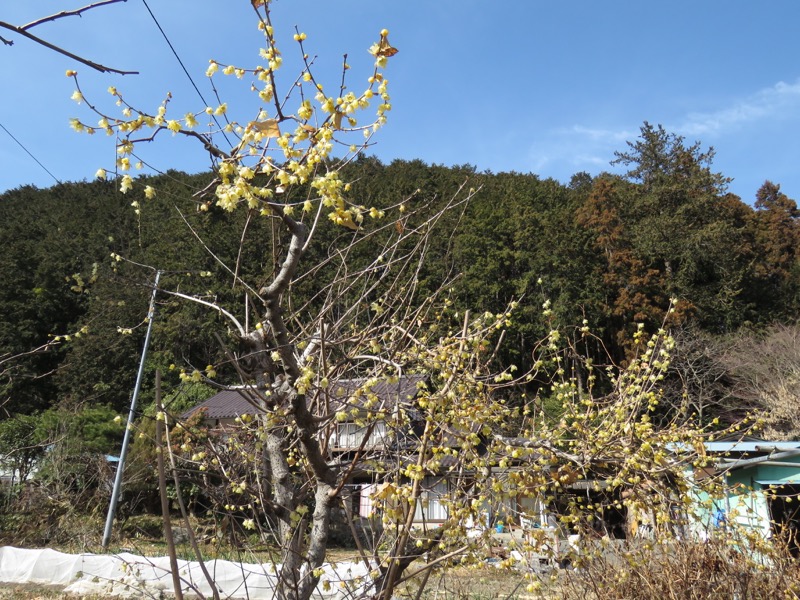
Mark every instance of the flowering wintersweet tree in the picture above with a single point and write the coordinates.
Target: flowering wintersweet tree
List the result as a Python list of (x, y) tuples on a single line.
[(365, 321), (327, 372)]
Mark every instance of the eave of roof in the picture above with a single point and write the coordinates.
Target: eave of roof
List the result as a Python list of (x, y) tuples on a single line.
[(229, 404), (751, 446)]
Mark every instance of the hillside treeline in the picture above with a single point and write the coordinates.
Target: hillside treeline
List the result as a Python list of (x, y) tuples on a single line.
[(606, 252)]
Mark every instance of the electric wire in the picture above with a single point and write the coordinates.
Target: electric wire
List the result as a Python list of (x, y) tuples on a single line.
[(180, 62), (28, 152)]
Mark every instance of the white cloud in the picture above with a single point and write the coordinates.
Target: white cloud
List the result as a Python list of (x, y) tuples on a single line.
[(780, 100), (600, 136), (563, 152)]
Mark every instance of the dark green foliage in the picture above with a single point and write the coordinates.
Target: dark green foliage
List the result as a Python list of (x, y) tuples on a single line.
[(22, 444), (66, 446), (609, 249), (53, 241)]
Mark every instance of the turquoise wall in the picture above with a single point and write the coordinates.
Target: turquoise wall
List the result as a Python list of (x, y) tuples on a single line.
[(748, 501)]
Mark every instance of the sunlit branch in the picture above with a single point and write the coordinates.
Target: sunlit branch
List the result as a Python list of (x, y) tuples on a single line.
[(23, 31), (69, 13), (216, 307), (219, 261)]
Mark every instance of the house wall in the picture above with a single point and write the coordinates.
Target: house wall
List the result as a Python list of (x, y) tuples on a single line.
[(780, 473), (430, 509), (350, 435), (747, 504), (748, 501)]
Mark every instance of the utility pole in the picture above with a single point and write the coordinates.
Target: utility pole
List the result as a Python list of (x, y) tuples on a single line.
[(112, 508)]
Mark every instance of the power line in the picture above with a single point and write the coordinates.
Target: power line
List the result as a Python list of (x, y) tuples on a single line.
[(28, 152), (171, 47), (180, 62)]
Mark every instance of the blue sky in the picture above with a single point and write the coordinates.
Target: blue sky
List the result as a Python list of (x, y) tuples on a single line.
[(552, 88)]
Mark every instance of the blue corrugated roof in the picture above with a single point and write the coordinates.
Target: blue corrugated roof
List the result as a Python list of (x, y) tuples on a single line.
[(750, 446), (793, 480)]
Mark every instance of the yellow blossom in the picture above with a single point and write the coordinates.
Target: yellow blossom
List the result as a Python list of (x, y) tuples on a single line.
[(126, 185), (305, 111)]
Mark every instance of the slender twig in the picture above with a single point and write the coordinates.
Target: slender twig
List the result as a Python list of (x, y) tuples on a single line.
[(210, 148), (216, 307), (46, 44), (185, 515), (237, 279), (162, 492), (69, 13)]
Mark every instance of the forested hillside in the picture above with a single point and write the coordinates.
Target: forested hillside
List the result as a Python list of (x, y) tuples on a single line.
[(610, 252)]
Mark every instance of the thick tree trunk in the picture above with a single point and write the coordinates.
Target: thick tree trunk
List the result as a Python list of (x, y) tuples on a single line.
[(289, 537)]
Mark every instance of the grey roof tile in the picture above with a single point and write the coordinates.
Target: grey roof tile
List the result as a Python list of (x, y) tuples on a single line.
[(229, 404)]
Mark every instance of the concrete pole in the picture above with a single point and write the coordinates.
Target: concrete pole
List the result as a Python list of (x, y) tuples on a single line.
[(112, 508)]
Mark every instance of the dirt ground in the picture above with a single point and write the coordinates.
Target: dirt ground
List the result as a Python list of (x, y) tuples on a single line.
[(18, 591), (485, 584)]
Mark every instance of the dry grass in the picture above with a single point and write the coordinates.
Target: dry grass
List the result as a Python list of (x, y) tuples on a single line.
[(486, 583), (38, 592)]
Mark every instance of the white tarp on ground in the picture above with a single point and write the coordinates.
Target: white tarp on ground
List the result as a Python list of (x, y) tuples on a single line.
[(129, 575)]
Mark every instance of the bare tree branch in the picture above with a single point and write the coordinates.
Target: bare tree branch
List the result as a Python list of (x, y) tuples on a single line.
[(68, 13), (23, 31), (216, 307)]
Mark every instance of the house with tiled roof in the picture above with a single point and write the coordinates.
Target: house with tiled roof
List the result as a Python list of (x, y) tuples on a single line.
[(387, 395), (224, 407), (347, 436)]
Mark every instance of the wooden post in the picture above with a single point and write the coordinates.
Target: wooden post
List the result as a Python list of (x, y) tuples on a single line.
[(161, 422)]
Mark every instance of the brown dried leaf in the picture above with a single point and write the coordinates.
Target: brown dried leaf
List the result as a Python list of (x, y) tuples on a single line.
[(337, 120), (269, 127), (384, 491), (349, 223), (385, 48)]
